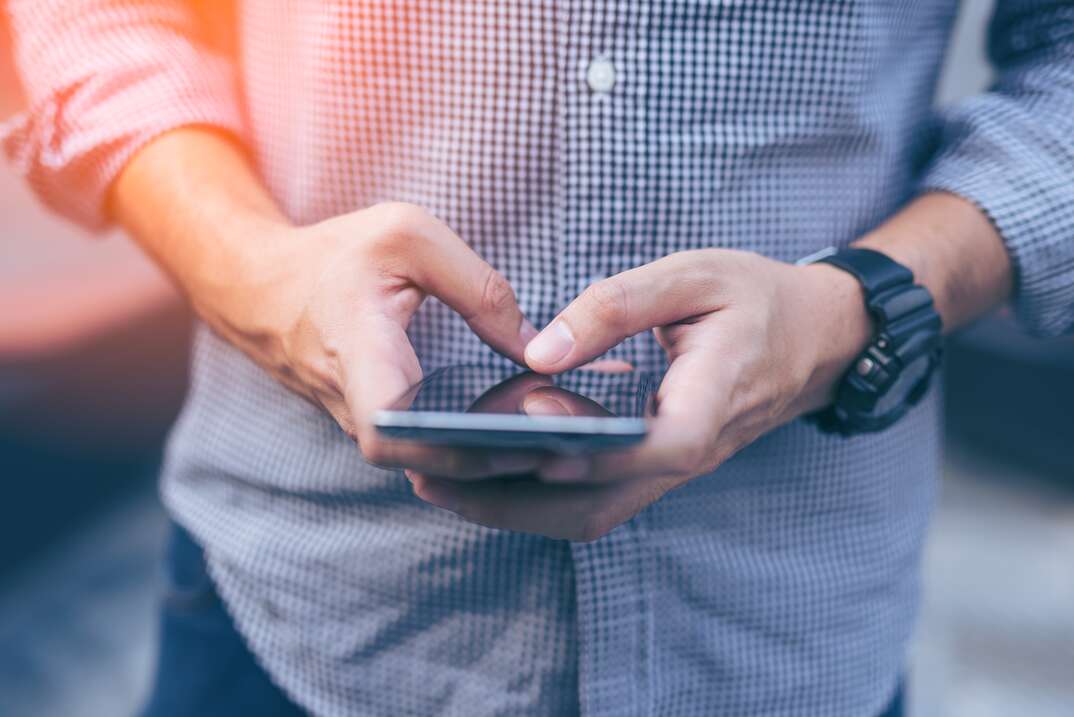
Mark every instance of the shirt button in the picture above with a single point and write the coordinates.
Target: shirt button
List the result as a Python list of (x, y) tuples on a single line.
[(600, 75)]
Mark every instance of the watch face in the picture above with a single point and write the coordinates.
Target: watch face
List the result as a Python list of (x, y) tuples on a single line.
[(899, 392)]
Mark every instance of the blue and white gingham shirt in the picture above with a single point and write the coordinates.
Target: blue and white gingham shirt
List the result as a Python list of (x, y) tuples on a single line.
[(568, 141)]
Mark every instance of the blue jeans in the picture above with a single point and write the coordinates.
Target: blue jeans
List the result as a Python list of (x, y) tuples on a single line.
[(204, 668)]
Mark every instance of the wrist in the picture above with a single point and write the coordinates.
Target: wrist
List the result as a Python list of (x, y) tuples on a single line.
[(841, 329), (249, 290), (192, 199), (953, 250)]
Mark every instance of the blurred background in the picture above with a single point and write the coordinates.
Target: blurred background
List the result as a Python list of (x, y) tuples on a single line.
[(93, 350)]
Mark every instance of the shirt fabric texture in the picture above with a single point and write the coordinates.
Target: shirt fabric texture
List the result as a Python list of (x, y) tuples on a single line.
[(786, 583)]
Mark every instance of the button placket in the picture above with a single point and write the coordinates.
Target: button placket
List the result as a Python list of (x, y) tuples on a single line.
[(613, 605)]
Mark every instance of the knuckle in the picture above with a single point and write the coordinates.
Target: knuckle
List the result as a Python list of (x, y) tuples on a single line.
[(496, 294), (400, 213), (396, 221), (607, 302)]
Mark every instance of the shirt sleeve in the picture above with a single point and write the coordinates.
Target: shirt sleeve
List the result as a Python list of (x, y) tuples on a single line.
[(103, 78), (1011, 152)]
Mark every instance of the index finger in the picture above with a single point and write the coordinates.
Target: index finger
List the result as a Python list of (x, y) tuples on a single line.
[(439, 262)]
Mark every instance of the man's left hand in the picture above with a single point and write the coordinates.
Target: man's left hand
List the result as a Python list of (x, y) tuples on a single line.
[(752, 343)]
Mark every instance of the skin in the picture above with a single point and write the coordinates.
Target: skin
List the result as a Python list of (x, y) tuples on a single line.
[(324, 309)]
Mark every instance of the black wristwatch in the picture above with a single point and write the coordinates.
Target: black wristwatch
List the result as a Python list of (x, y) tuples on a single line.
[(894, 372)]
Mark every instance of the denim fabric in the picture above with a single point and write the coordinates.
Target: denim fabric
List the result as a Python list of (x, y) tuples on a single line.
[(204, 667)]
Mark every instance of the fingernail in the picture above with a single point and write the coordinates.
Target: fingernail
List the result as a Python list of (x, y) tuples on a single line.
[(527, 331), (565, 470), (508, 463), (551, 345)]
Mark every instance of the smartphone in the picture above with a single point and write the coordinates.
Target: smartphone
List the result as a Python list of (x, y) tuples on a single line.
[(580, 411)]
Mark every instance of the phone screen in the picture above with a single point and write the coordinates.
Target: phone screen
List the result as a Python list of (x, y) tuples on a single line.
[(498, 390)]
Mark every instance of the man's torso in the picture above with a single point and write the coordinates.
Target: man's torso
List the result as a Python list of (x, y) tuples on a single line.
[(784, 583)]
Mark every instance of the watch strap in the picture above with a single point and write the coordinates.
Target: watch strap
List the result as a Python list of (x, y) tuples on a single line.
[(876, 272), (901, 308)]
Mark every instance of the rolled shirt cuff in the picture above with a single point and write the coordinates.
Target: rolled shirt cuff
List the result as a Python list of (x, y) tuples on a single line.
[(71, 145), (1031, 204)]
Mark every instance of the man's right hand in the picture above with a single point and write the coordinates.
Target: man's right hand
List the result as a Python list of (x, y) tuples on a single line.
[(323, 308)]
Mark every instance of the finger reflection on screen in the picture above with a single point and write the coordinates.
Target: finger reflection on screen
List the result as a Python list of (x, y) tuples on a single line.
[(556, 401), (604, 389), (508, 396)]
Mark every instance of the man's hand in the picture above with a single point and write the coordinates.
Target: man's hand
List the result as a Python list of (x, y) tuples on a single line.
[(752, 343), (339, 333), (323, 308)]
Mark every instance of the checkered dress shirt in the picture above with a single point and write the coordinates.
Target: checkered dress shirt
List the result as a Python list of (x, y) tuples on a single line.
[(567, 141)]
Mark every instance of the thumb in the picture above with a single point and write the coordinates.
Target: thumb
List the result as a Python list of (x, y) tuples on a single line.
[(616, 308)]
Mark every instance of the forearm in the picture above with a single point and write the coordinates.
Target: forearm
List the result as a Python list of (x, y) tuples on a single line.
[(953, 251), (192, 201), (322, 308)]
